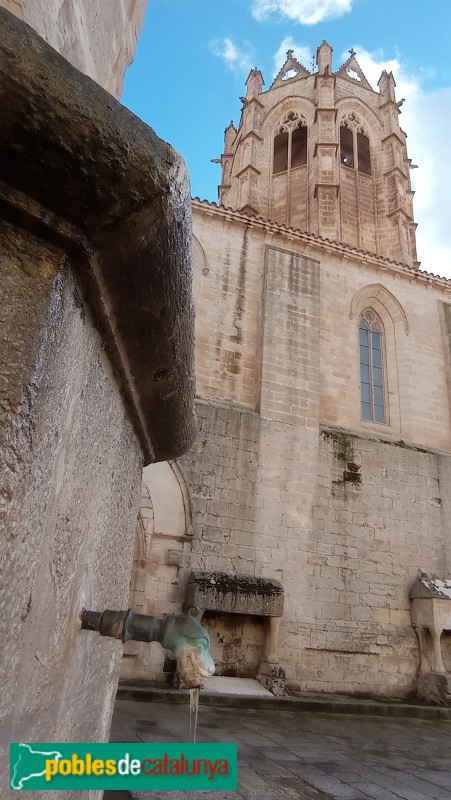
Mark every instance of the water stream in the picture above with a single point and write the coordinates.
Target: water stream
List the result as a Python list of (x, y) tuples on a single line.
[(193, 711)]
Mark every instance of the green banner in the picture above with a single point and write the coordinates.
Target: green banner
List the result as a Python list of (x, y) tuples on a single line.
[(147, 767)]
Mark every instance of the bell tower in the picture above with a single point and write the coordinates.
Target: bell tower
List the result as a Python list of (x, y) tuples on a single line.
[(324, 153)]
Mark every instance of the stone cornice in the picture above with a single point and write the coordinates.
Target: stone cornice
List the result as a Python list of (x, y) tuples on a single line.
[(339, 249), (250, 135), (246, 169), (382, 437), (79, 168)]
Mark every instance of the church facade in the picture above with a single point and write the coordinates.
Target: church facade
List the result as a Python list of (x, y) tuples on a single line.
[(323, 368)]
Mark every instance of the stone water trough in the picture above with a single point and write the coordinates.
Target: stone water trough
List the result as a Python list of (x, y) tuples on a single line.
[(430, 611), (250, 597)]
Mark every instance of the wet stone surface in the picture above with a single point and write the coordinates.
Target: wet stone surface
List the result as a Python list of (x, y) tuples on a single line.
[(298, 755)]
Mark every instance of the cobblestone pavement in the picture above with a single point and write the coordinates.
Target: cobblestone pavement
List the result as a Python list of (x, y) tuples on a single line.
[(293, 754)]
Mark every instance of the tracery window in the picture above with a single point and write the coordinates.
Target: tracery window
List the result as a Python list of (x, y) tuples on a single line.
[(354, 144), (372, 389), (290, 143)]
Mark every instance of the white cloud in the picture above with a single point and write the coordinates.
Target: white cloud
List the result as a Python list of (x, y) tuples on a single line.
[(307, 12), (427, 122), (426, 118), (301, 53), (237, 59), (372, 65)]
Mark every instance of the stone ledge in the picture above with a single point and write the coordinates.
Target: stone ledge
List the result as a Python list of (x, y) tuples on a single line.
[(383, 438), (82, 171), (234, 594), (302, 702)]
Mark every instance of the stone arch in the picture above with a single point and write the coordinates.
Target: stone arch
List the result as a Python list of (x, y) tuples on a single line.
[(144, 528), (285, 154), (165, 511), (353, 121), (200, 267), (369, 118), (286, 191), (164, 483), (377, 295), (291, 103), (301, 108), (142, 536), (164, 520), (299, 117)]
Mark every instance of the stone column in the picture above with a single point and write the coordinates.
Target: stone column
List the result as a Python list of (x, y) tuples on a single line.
[(436, 634), (272, 631)]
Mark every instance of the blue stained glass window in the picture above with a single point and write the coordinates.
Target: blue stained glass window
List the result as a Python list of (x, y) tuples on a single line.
[(372, 393)]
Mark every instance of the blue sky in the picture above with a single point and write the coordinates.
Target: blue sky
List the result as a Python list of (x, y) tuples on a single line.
[(193, 58)]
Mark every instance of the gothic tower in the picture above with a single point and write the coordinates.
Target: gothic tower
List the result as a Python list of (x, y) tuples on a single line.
[(325, 154)]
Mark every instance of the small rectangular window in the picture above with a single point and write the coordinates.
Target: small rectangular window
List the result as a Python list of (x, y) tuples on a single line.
[(364, 354), (377, 358), (378, 396), (377, 376), (376, 339), (366, 394)]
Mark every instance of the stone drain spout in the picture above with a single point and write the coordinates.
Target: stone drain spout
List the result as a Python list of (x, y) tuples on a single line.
[(187, 639)]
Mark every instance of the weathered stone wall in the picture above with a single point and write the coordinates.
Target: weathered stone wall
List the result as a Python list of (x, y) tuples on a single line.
[(233, 319), (228, 308), (346, 556), (237, 643), (71, 463), (417, 398), (98, 37), (83, 403), (286, 480), (381, 512)]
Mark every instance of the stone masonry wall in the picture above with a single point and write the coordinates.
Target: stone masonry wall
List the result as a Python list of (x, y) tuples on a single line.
[(417, 395), (381, 513), (98, 37), (228, 312), (69, 497), (286, 481), (232, 322), (346, 557)]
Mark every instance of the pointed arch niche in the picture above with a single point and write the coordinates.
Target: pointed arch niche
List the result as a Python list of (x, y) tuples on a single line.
[(358, 133), (285, 159), (163, 527), (289, 173), (200, 268), (389, 311)]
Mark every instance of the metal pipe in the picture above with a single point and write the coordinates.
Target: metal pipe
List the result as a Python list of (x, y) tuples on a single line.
[(182, 634)]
